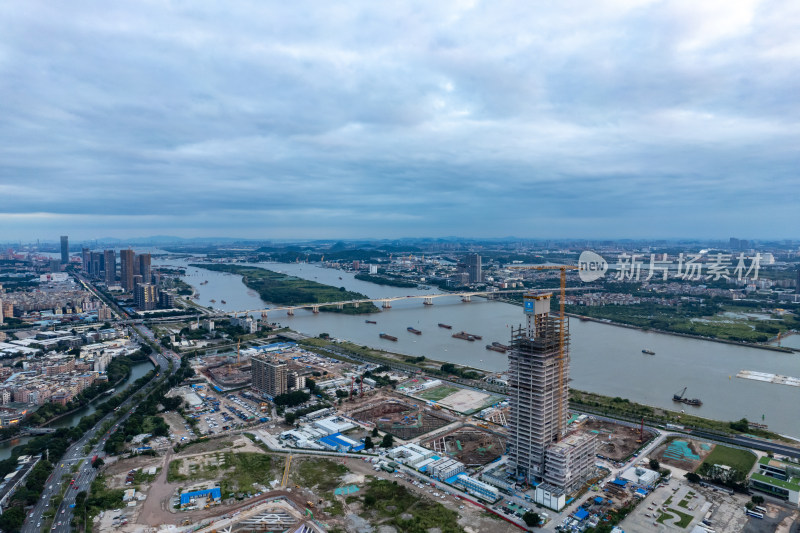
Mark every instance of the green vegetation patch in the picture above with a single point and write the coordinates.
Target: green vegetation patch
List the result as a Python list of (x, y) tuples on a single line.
[(438, 393), (174, 472), (282, 289), (321, 473), (740, 460), (683, 518), (388, 502), (244, 469)]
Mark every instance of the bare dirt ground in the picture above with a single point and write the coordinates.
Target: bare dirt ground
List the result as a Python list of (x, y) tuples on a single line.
[(465, 400), (402, 419), (615, 441), (471, 446), (688, 463)]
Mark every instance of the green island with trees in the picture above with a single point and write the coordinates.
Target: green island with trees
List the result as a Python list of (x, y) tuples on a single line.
[(282, 289)]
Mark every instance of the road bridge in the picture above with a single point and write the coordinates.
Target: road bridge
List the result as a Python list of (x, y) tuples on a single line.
[(385, 302)]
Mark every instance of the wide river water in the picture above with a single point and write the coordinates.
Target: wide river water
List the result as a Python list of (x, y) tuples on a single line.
[(606, 359)]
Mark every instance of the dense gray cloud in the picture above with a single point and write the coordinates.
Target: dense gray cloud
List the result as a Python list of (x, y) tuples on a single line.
[(629, 118)]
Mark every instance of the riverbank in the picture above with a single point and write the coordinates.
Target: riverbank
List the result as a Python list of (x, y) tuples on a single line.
[(381, 280), (614, 407), (676, 334), (610, 322), (282, 289)]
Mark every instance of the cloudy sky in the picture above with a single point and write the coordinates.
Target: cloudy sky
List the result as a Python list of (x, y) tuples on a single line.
[(619, 118)]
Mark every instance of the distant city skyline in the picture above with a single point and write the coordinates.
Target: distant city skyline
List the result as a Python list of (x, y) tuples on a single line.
[(611, 119)]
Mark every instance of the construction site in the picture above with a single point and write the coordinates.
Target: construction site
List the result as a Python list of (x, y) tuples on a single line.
[(403, 420), (686, 454), (468, 444), (616, 441)]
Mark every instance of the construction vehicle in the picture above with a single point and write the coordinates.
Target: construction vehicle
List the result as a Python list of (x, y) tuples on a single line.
[(310, 504)]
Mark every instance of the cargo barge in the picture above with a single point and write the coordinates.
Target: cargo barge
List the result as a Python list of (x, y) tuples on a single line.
[(388, 337), (648, 352), (445, 326), (463, 335), (687, 401), (496, 348), (414, 331), (370, 322)]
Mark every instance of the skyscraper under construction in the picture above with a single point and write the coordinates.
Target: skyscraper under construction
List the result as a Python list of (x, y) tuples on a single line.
[(539, 393)]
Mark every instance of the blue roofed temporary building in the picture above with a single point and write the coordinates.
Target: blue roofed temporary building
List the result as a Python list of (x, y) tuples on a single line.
[(582, 514), (187, 497), (339, 442)]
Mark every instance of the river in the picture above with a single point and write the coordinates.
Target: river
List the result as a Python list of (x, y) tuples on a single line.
[(606, 359), (137, 370)]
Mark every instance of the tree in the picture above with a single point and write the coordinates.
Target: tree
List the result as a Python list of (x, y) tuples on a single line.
[(654, 465), (98, 463), (387, 441), (758, 500), (311, 384), (12, 519), (691, 476), (368, 445), (531, 519), (374, 432), (290, 418)]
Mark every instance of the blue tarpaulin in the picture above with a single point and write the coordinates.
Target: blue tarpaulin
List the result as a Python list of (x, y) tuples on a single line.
[(582, 514), (599, 500), (214, 493), (620, 482)]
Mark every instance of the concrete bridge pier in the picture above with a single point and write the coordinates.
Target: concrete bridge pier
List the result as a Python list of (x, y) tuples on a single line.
[(290, 312), (387, 304), (466, 298), (339, 306), (427, 301), (315, 309)]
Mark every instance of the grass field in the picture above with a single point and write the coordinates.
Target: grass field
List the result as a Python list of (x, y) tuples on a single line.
[(323, 474), (741, 460), (387, 503), (438, 393), (685, 519)]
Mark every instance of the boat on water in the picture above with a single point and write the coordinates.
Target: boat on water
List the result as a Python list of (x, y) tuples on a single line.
[(476, 337), (223, 302), (648, 352), (370, 322), (463, 335), (496, 348), (388, 337), (213, 301), (445, 326), (503, 346), (414, 331), (680, 397)]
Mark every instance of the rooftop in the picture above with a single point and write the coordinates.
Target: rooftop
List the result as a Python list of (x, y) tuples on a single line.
[(792, 484)]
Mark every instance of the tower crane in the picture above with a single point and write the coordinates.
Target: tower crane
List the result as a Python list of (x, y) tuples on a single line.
[(562, 323)]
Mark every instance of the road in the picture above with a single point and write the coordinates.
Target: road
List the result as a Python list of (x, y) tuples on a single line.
[(84, 477)]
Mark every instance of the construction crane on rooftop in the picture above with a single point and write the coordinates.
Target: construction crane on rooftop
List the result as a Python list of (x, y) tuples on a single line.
[(562, 324)]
